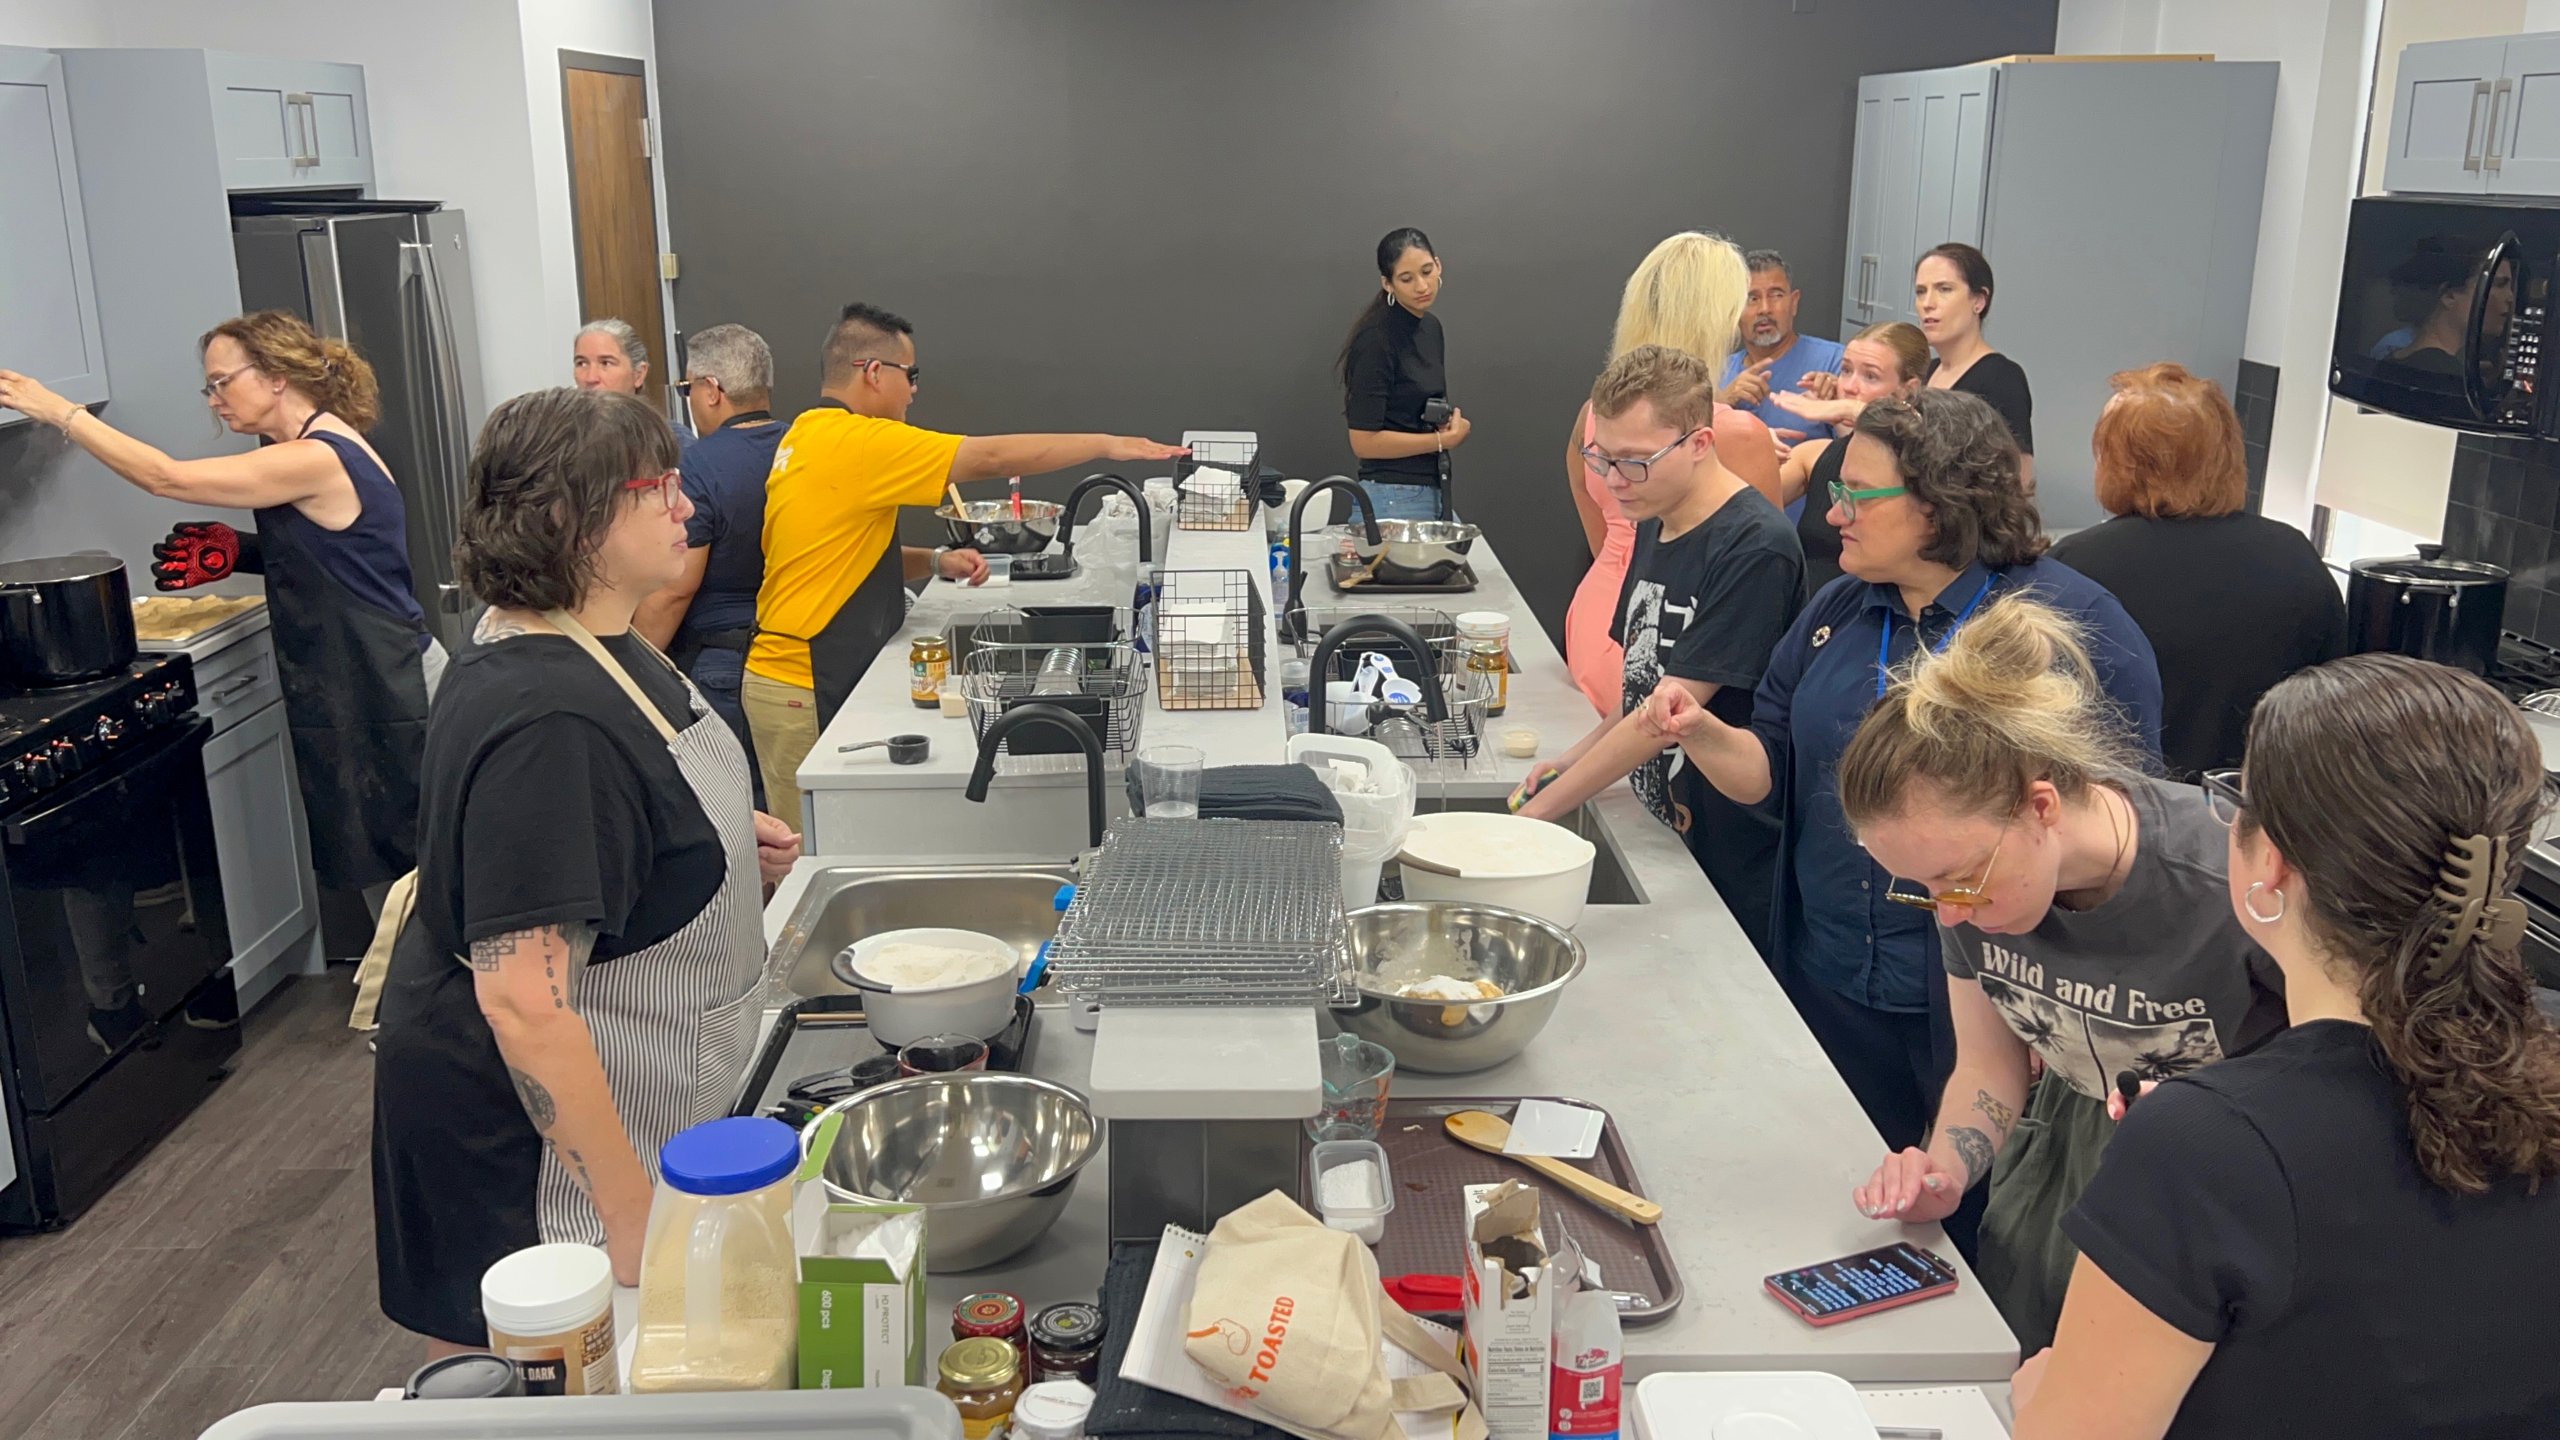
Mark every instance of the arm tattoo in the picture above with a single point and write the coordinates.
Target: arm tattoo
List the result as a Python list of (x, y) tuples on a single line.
[(1976, 1150), (577, 1166), (561, 976), (487, 955), (537, 1100), (2000, 1116)]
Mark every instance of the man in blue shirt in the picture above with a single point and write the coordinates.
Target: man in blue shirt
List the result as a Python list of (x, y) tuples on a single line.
[(1774, 358), (706, 620)]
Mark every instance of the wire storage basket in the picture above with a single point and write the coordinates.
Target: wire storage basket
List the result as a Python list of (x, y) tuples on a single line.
[(1409, 730), (1210, 634), (1207, 912), (1216, 485), (1103, 685)]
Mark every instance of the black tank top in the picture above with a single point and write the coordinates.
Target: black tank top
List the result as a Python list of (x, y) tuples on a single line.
[(1813, 527)]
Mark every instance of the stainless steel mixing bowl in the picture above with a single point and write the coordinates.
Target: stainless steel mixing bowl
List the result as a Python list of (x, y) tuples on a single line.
[(989, 526), (1396, 945), (992, 1159), (1416, 545)]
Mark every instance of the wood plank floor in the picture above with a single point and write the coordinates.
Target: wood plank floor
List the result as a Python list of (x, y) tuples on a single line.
[(233, 1266)]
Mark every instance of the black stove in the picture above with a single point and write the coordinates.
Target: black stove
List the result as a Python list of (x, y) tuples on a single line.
[(51, 736), (117, 1015), (2524, 667)]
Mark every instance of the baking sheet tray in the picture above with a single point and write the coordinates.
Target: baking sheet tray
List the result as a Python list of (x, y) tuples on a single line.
[(1337, 569), (1430, 1172)]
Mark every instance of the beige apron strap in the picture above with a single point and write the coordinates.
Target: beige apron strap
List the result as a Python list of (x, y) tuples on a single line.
[(1447, 1390), (376, 964), (566, 624)]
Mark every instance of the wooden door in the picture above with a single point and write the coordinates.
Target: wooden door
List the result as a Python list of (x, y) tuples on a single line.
[(614, 204)]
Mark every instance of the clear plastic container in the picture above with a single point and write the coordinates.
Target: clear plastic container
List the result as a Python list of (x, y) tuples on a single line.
[(719, 1305), (1355, 1201)]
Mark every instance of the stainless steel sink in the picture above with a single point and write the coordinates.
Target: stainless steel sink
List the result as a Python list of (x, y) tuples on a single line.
[(1611, 882), (1014, 903)]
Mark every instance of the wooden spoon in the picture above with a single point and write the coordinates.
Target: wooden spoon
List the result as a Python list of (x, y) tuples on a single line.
[(1490, 1133), (959, 507)]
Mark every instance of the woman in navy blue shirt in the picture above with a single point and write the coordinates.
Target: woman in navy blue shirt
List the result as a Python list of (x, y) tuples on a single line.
[(1933, 523)]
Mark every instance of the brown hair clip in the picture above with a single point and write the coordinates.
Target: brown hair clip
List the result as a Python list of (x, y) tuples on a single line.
[(2472, 883)]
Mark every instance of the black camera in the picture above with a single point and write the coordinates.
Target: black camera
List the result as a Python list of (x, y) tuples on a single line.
[(1436, 411)]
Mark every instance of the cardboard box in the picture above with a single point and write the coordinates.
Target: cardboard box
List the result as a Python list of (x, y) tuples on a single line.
[(1508, 1338), (862, 1291)]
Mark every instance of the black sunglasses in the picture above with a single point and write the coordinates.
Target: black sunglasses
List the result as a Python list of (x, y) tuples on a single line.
[(915, 373)]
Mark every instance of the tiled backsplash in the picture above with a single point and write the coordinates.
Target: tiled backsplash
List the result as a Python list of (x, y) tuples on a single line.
[(2256, 402), (2505, 510)]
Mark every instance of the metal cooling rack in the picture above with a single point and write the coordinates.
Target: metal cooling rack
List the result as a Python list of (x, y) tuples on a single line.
[(1207, 912)]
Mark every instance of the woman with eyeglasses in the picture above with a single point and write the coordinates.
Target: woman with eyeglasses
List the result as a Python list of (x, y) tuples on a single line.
[(576, 982), (2081, 923), (1933, 526), (2354, 1231), (332, 543)]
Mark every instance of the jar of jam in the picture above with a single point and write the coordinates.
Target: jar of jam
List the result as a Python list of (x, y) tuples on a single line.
[(928, 668), (1066, 1344), (993, 1315), (983, 1378)]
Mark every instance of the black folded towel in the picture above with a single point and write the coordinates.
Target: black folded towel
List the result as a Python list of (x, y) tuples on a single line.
[(1125, 1407), (1257, 792)]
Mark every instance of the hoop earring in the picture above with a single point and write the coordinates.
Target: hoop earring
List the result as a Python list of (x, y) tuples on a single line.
[(2248, 902)]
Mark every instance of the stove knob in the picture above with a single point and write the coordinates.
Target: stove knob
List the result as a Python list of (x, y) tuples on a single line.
[(67, 760), (110, 730), (35, 772)]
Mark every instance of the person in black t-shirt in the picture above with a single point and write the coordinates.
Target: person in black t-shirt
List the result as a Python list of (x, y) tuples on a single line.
[(2232, 602), (1951, 290), (1713, 585), (575, 984), (1393, 363), (2353, 1231)]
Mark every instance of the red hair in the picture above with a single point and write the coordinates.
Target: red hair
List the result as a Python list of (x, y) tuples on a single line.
[(2168, 447)]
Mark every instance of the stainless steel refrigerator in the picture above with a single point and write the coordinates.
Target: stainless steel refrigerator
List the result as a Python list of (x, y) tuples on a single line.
[(393, 280)]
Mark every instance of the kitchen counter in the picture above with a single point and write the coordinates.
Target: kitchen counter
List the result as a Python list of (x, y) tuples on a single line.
[(1737, 1122)]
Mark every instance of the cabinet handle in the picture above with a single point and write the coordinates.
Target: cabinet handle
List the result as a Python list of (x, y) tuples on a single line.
[(2497, 113), (306, 126), (2471, 127), (234, 690)]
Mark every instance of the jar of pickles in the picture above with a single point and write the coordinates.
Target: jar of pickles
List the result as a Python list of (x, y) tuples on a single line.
[(983, 1378)]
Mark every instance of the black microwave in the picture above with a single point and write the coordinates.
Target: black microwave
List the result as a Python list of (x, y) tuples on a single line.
[(2440, 313)]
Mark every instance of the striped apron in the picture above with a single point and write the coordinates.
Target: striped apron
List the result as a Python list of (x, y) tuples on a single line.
[(672, 1023)]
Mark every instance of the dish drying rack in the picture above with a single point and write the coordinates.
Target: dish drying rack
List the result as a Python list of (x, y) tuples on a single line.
[(1207, 913), (1411, 732), (1104, 685), (1214, 506), (1208, 630)]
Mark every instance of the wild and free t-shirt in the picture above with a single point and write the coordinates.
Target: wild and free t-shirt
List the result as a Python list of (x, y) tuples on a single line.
[(2159, 980), (830, 514)]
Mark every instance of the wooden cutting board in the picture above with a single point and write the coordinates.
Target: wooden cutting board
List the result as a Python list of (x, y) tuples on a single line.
[(174, 619)]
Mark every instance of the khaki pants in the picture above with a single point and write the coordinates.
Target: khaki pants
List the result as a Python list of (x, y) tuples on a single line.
[(784, 720)]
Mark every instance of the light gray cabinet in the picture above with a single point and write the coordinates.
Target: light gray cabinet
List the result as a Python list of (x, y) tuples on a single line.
[(2476, 117), (290, 124), (48, 299), (2107, 255), (1923, 157)]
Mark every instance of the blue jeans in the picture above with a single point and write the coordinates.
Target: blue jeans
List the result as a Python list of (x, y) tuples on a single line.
[(1397, 501), (718, 674)]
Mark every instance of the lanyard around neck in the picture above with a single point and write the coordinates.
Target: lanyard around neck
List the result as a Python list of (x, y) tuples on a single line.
[(1884, 642)]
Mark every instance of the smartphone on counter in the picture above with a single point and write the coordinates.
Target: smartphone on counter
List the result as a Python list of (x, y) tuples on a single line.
[(1863, 1284)]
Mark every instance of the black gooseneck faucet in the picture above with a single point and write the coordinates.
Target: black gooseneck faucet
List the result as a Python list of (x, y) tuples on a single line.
[(1021, 715), (1293, 620)]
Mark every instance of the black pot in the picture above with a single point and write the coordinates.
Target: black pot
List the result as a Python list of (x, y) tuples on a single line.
[(2448, 611), (64, 619)]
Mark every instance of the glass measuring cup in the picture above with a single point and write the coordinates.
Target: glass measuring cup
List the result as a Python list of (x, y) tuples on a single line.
[(1357, 1076)]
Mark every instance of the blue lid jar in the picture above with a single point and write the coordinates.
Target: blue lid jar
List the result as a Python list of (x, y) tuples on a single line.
[(730, 1156)]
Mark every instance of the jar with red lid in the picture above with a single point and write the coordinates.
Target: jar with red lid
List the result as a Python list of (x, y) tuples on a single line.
[(993, 1315), (1066, 1343)]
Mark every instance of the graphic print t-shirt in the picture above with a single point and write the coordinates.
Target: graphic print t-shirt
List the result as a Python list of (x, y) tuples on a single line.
[(2160, 980), (1708, 605)]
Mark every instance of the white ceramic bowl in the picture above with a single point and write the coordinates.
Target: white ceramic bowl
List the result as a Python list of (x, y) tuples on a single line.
[(1508, 861), (906, 1014)]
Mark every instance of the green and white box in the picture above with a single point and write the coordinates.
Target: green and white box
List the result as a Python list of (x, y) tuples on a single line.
[(862, 1303)]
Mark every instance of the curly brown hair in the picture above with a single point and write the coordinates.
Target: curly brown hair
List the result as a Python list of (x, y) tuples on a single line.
[(2440, 757), (546, 481), (328, 372), (1958, 458)]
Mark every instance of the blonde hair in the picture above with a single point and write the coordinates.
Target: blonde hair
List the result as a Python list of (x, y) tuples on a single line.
[(1687, 294), (2013, 699), (327, 372), (1681, 387), (1910, 348)]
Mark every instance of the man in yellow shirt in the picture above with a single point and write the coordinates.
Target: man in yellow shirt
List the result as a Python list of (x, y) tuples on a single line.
[(833, 570)]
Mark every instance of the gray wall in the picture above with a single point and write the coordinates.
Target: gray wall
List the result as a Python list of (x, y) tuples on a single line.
[(1153, 215)]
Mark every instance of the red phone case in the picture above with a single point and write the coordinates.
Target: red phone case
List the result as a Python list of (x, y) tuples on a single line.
[(1872, 1307)]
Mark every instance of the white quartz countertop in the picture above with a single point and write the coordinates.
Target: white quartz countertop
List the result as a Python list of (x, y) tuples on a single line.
[(1736, 1121)]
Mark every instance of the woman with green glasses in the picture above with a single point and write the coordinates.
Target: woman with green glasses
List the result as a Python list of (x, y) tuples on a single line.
[(1933, 526), (2082, 924)]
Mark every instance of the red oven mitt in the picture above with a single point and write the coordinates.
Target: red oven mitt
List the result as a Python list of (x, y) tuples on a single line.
[(199, 552)]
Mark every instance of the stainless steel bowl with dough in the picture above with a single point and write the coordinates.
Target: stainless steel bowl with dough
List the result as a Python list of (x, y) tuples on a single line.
[(1453, 987)]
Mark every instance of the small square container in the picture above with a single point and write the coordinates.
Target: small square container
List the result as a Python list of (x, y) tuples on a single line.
[(1369, 1222), (999, 569)]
